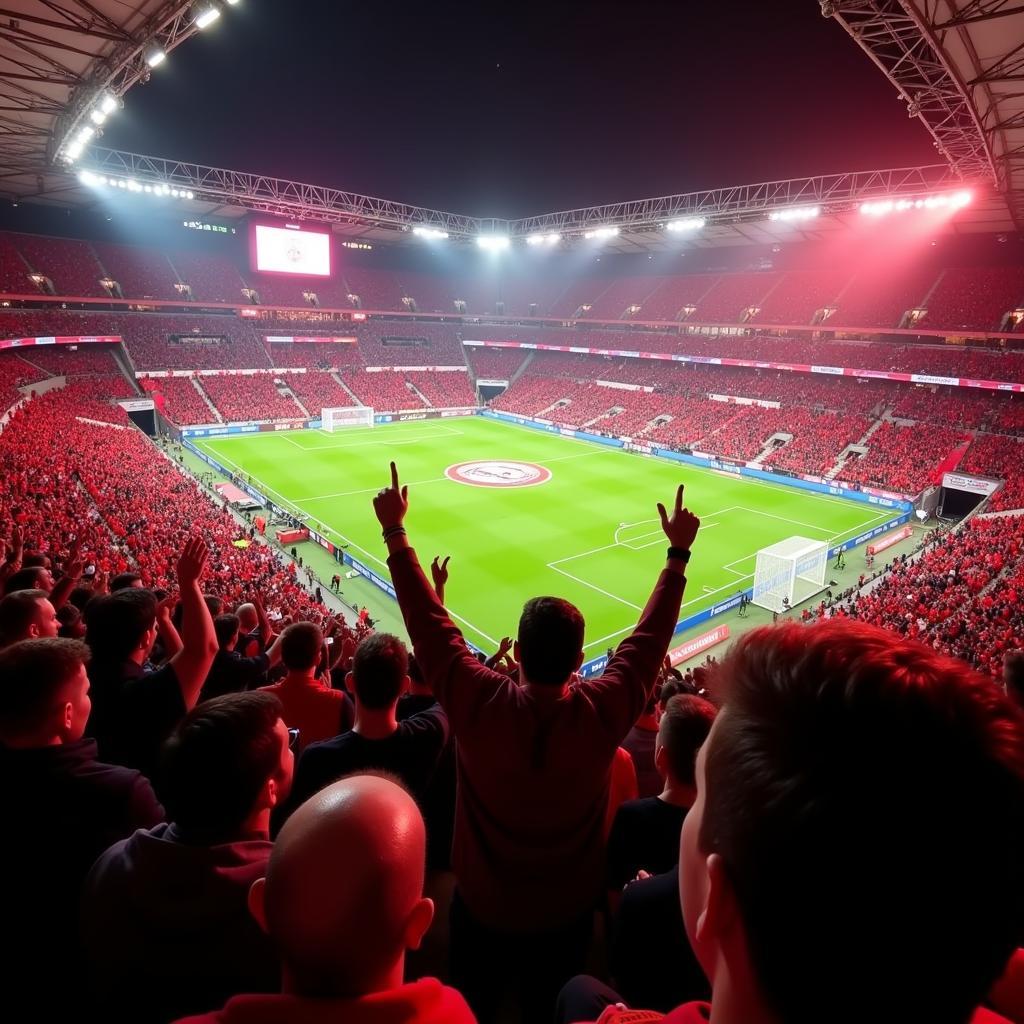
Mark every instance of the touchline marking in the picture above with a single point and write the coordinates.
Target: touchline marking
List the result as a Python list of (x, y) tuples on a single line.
[(594, 586)]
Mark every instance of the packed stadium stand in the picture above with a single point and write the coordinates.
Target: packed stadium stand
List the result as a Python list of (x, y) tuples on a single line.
[(879, 295), (382, 390), (495, 363), (443, 390), (70, 264), (904, 458), (141, 273), (963, 595), (819, 440), (317, 391), (14, 271), (180, 400), (238, 397), (957, 407), (211, 278), (375, 289), (728, 300), (800, 294), (429, 293), (672, 295), (975, 298)]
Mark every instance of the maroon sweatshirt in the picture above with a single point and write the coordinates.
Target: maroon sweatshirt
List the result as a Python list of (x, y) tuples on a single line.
[(533, 765)]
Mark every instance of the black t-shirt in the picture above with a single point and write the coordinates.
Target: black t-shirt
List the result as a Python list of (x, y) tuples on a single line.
[(652, 963), (644, 835), (133, 712), (232, 673), (411, 752)]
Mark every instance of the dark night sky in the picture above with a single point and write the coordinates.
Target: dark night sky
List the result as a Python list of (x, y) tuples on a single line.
[(510, 109)]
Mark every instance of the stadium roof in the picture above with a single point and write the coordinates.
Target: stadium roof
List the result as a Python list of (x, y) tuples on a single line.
[(958, 64)]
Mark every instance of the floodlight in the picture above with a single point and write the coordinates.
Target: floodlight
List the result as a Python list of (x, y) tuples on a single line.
[(795, 213), (609, 232), (686, 224), (947, 200), (429, 233), (232, 2), (87, 178), (207, 16), (492, 243), (109, 103), (551, 238), (97, 116), (85, 133), (155, 56)]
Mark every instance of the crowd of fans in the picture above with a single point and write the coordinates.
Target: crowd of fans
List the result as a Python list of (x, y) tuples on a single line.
[(954, 298), (250, 396), (903, 458), (382, 390), (443, 390), (220, 817), (180, 400), (960, 596)]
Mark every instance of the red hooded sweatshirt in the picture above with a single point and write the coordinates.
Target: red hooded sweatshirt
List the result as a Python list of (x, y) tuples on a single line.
[(423, 1002)]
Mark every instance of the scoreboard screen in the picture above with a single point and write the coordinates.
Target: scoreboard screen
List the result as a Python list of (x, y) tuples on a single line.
[(291, 251)]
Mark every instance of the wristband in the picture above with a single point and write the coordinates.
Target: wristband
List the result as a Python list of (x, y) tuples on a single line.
[(683, 554), (393, 531)]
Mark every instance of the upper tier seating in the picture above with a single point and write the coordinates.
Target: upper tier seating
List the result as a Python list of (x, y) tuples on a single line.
[(141, 273)]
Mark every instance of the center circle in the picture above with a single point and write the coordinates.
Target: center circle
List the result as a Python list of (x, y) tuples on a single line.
[(498, 473)]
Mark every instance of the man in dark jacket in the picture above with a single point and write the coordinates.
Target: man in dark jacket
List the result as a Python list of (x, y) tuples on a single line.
[(63, 808), (165, 914)]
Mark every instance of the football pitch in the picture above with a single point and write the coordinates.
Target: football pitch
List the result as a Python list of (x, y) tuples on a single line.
[(523, 513)]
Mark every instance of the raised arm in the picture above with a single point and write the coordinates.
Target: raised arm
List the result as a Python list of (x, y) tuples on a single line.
[(439, 574), (623, 689), (199, 640), (15, 552), (69, 580), (458, 680), (169, 636)]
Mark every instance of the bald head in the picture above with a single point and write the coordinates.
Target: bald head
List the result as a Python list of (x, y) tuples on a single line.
[(343, 897), (247, 618)]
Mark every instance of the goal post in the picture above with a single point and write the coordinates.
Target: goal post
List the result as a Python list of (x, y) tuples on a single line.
[(341, 417), (789, 572)]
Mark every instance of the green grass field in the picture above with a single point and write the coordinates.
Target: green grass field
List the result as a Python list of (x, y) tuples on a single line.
[(589, 534)]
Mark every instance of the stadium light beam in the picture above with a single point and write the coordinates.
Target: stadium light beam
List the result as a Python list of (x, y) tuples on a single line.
[(429, 233), (795, 213), (493, 243), (686, 224), (551, 238), (207, 16), (601, 233), (155, 56)]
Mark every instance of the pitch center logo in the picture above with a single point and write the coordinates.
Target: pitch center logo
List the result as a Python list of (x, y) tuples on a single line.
[(493, 473)]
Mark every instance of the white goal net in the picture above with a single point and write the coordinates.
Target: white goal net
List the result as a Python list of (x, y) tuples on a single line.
[(346, 416), (789, 572)]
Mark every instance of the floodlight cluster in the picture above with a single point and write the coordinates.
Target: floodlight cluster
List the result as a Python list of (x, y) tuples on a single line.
[(795, 213), (551, 238), (131, 185), (608, 232), (204, 13), (493, 243), (430, 234), (686, 224), (883, 207)]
